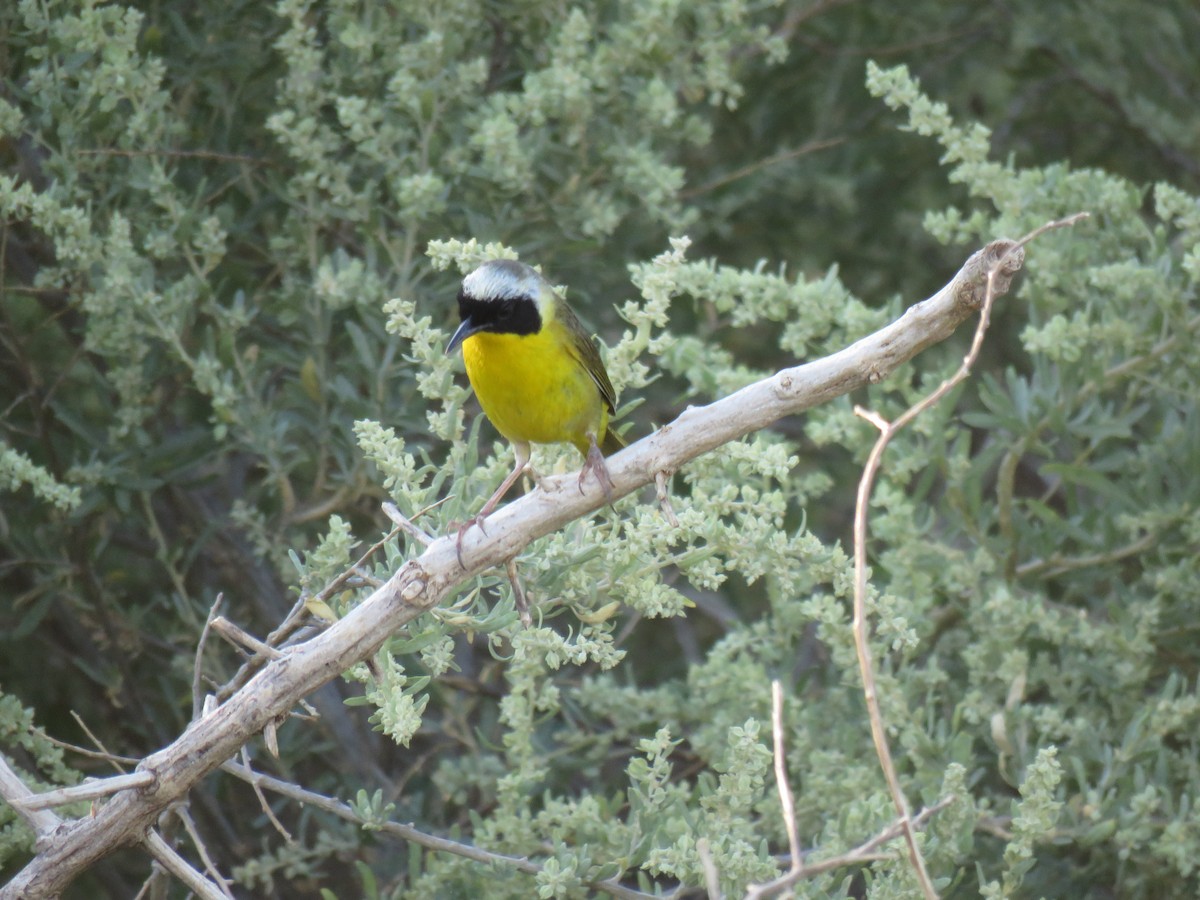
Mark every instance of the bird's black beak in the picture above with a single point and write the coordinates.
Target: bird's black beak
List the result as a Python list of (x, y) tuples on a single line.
[(465, 330)]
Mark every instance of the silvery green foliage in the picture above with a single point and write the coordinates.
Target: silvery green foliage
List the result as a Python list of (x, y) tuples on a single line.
[(233, 240)]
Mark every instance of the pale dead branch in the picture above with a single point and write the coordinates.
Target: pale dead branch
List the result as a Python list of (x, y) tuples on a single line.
[(425, 582)]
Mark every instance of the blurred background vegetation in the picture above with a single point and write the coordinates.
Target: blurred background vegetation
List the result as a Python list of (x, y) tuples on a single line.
[(204, 209)]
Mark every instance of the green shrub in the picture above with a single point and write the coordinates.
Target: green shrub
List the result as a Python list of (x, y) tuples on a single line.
[(231, 239)]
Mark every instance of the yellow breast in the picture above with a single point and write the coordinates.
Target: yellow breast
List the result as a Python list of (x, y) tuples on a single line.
[(533, 390)]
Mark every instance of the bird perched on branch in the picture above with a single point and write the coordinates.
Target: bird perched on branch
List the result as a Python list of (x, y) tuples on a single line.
[(536, 371)]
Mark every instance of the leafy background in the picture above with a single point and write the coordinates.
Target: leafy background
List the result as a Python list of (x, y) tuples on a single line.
[(231, 237)]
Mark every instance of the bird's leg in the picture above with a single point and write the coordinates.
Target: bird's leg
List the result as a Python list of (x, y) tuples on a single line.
[(594, 462), (521, 450)]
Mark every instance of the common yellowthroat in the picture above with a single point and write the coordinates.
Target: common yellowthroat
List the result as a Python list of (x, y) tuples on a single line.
[(536, 371)]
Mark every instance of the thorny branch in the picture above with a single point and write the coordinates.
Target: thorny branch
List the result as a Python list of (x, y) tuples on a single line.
[(65, 849)]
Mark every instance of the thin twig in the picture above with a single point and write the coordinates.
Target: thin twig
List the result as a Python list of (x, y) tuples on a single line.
[(712, 878), (519, 596), (863, 853), (189, 825), (300, 609), (262, 799), (1057, 565), (407, 525), (117, 761), (16, 793), (757, 165), (210, 155), (198, 665), (114, 759), (781, 777), (236, 636), (89, 790), (182, 869), (411, 834), (1010, 259), (996, 826), (365, 577)]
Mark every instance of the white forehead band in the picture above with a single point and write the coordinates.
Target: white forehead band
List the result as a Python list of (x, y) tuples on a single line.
[(502, 279)]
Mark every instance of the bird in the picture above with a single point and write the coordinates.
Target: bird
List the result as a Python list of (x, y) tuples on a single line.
[(535, 370)]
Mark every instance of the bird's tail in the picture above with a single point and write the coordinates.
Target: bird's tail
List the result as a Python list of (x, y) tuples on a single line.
[(612, 443)]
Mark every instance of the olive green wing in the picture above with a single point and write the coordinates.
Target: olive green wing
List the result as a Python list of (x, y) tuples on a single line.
[(584, 348)]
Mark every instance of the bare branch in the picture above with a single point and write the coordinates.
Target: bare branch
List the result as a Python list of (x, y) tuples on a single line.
[(406, 525), (185, 817), (240, 637), (522, 601), (115, 760), (1058, 564), (198, 665), (17, 795), (262, 800), (997, 278), (408, 832), (300, 610), (863, 853), (712, 878), (781, 777), (758, 165), (183, 870), (172, 153), (426, 581), (89, 790)]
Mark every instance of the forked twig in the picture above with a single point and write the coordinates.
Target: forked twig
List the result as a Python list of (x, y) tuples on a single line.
[(867, 851), (1010, 260)]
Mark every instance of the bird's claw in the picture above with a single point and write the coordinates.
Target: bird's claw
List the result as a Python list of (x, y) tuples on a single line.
[(462, 530), (595, 463)]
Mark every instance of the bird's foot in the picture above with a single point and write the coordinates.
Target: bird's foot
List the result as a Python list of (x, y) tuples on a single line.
[(595, 463), (463, 529)]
